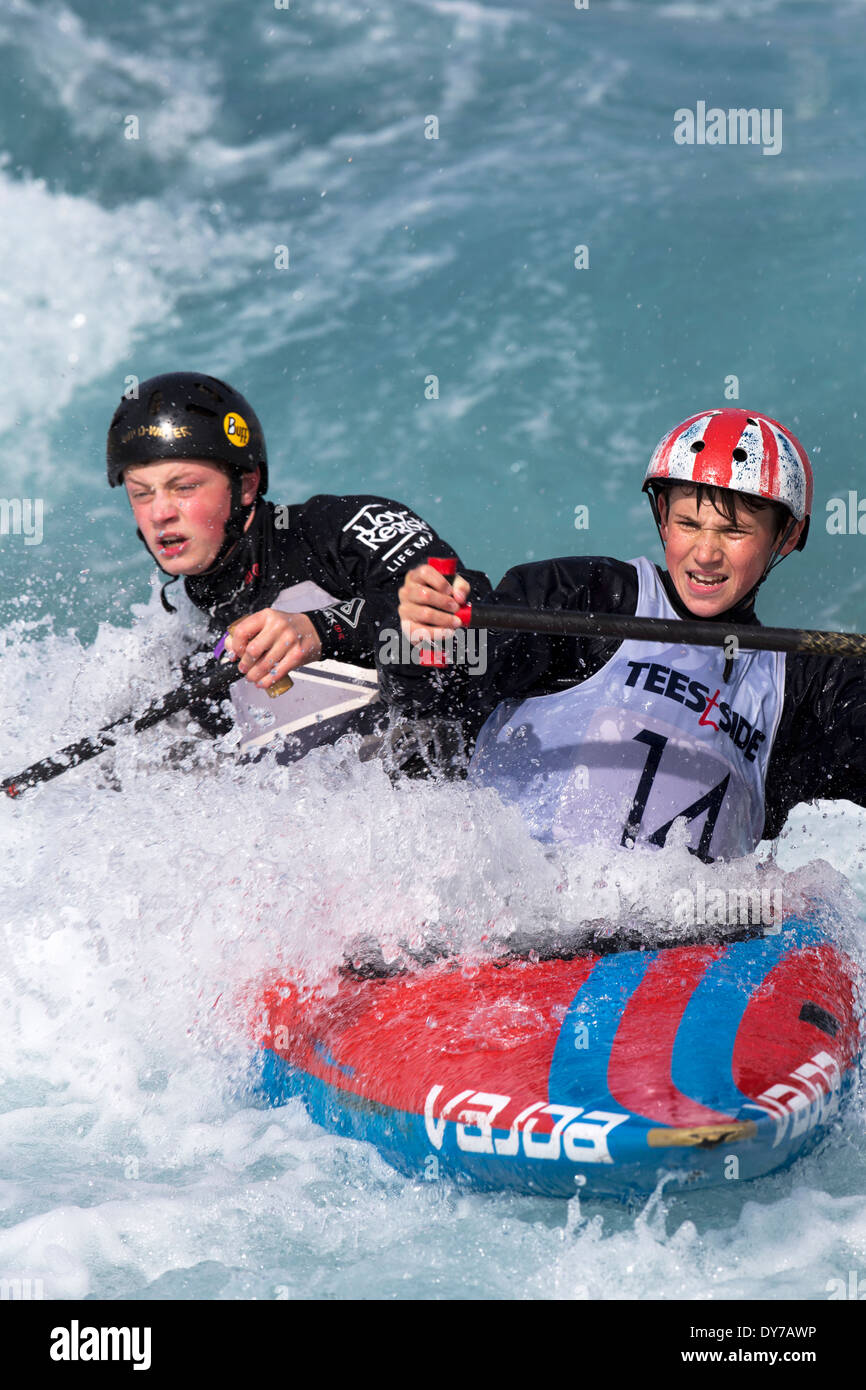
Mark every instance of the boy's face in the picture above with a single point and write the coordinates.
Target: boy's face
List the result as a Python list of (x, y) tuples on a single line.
[(181, 507), (713, 562)]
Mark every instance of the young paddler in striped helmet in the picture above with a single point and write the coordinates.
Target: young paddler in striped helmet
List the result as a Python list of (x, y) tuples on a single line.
[(598, 739)]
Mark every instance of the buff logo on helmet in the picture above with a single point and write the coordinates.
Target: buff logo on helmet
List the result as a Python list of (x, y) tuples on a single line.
[(237, 430), (186, 415)]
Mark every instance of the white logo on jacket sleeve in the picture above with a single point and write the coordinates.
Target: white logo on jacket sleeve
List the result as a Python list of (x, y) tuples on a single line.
[(350, 611), (376, 527)]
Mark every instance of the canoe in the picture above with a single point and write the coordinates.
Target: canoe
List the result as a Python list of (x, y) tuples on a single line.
[(711, 1061)]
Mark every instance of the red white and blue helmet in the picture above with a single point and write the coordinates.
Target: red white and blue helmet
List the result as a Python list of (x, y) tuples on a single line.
[(739, 450)]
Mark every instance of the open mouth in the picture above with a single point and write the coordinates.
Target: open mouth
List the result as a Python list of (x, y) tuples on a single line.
[(171, 544)]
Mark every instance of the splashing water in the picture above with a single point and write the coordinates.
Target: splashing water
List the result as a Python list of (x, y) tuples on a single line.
[(143, 903)]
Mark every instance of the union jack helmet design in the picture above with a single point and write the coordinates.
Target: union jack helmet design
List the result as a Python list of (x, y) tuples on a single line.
[(744, 452)]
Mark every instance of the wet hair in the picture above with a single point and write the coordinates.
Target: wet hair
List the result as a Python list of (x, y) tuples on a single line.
[(725, 499)]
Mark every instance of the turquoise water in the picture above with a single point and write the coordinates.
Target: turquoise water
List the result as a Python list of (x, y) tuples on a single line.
[(305, 128)]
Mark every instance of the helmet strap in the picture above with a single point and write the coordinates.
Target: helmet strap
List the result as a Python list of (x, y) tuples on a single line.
[(777, 557), (654, 505), (169, 607), (236, 525)]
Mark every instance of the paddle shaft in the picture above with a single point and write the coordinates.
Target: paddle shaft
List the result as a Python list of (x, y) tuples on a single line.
[(679, 631), (501, 617), (213, 683)]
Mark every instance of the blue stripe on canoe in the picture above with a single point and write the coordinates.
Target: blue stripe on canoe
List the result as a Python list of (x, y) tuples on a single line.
[(715, 1011), (578, 1074)]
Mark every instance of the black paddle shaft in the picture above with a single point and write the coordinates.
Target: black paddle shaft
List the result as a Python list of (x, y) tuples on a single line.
[(214, 682), (679, 631)]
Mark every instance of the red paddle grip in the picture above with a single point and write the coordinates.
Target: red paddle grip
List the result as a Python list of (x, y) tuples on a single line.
[(431, 657), (446, 567)]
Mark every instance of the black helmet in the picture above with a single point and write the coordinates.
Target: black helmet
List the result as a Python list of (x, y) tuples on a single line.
[(186, 415)]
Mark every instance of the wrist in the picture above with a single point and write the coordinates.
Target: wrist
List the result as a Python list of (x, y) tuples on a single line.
[(330, 633)]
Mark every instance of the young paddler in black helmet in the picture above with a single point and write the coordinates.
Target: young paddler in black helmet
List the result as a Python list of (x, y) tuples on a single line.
[(307, 583)]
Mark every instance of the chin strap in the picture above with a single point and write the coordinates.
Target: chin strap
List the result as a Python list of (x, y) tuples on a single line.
[(172, 579), (777, 557), (749, 599), (235, 528), (169, 607)]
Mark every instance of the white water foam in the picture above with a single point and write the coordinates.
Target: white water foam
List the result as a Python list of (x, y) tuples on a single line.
[(144, 905)]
